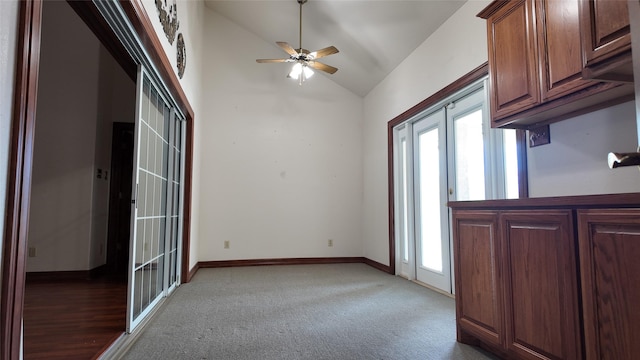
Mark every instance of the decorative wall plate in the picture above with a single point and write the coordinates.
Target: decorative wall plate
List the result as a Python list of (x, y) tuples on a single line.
[(168, 14), (181, 55)]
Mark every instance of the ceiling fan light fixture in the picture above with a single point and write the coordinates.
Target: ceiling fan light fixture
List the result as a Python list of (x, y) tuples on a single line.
[(300, 72)]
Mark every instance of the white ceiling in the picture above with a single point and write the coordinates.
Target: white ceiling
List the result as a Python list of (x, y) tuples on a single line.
[(373, 36)]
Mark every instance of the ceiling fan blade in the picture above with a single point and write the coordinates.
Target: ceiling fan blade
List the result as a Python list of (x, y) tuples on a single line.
[(323, 67), (273, 60), (287, 48), (324, 52)]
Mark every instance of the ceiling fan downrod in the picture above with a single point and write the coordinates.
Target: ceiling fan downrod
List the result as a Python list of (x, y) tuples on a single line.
[(301, 2)]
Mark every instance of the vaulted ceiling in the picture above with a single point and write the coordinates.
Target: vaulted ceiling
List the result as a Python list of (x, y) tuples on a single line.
[(373, 36)]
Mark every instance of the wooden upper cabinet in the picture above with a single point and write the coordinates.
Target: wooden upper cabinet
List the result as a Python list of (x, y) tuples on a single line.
[(536, 59), (609, 243), (559, 48), (606, 39), (513, 59)]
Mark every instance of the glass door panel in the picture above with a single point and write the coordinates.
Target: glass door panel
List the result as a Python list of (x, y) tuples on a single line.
[(430, 184), (149, 212), (404, 223), (469, 156)]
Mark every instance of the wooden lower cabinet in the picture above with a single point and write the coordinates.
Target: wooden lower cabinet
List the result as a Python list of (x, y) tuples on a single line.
[(609, 242), (516, 282), (541, 305), (479, 290)]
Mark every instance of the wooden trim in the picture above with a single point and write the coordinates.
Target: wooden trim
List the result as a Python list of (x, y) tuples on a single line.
[(391, 200), (628, 200), (291, 261), (186, 209), (466, 80), (135, 11), (19, 179), (193, 272), (492, 9), (283, 261), (379, 266), (57, 276)]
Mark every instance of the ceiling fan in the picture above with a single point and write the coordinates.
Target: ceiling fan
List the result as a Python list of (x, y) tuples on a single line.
[(303, 58)]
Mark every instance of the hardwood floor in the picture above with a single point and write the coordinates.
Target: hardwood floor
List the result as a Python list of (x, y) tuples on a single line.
[(72, 319)]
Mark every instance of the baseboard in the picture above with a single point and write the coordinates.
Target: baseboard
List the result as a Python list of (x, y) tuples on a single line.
[(99, 271), (377, 265), (52, 276), (287, 261), (192, 272)]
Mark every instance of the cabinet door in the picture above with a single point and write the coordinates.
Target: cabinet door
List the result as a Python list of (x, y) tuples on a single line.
[(513, 59), (605, 29), (610, 270), (559, 47), (479, 292), (541, 285)]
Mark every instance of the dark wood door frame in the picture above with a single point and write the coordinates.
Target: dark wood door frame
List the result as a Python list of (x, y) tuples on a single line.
[(22, 139)]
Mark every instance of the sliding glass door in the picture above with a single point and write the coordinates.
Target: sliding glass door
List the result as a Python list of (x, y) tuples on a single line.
[(156, 203)]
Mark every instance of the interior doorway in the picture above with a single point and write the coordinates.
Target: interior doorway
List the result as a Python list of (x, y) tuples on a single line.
[(124, 42), (83, 94), (118, 241)]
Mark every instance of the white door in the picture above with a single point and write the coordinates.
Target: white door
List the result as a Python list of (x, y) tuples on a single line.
[(432, 258), (448, 153)]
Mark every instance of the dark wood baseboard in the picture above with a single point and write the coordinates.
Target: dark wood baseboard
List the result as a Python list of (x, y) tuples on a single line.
[(288, 261), (377, 265), (53, 276), (192, 272)]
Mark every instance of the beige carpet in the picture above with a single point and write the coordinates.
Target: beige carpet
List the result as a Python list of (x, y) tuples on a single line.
[(345, 311)]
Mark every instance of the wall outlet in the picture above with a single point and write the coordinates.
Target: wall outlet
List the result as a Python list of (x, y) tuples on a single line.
[(32, 251), (226, 244), (330, 243)]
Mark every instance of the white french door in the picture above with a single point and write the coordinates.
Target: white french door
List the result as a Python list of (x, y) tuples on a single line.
[(447, 153), (156, 203), (432, 265)]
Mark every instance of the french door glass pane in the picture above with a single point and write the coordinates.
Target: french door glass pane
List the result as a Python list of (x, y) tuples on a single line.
[(469, 156), (429, 168), (405, 202)]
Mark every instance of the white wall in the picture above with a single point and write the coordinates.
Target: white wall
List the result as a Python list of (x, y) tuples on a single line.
[(191, 15), (281, 168), (575, 162), (8, 38), (60, 218), (77, 102), (456, 48)]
